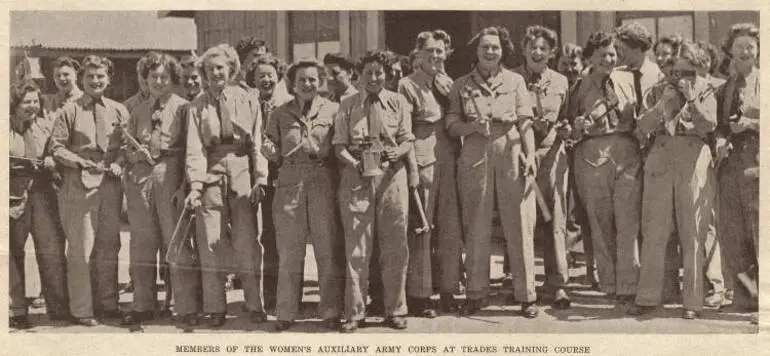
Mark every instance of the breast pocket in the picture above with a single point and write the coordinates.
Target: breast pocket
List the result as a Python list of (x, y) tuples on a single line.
[(321, 128)]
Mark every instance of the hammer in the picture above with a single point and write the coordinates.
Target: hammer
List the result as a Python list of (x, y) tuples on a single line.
[(421, 210)]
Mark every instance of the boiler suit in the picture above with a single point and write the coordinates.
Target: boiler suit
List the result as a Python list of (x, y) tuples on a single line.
[(33, 209), (381, 218), (550, 89), (739, 185), (437, 253), (90, 201), (219, 166), (305, 205), (152, 214), (608, 175), (490, 168), (678, 191)]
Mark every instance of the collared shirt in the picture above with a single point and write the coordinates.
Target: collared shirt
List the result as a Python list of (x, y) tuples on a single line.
[(173, 117), (651, 76), (277, 99), (74, 131), (204, 131), (303, 138), (675, 117), (134, 101), (351, 123), (417, 89), (502, 98), (552, 88), (587, 98), (730, 95), (344, 95), (54, 102), (29, 140)]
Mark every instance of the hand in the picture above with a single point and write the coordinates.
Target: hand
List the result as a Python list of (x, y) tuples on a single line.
[(482, 126), (722, 148), (564, 131), (392, 154), (193, 199), (177, 200), (580, 124), (87, 164), (257, 194), (413, 179), (670, 92), (49, 164), (115, 170), (685, 87)]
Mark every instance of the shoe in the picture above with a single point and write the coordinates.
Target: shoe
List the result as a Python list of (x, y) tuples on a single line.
[(507, 280), (90, 322), (447, 303), (729, 294), (20, 322), (258, 317), (135, 317), (283, 325), (216, 320), (754, 319), (395, 322), (349, 327), (331, 323), (422, 308), (129, 288), (561, 300), (529, 310), (715, 300), (191, 320), (471, 306), (690, 314), (639, 310), (165, 313), (38, 303)]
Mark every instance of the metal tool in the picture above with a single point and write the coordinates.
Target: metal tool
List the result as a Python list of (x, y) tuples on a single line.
[(426, 227), (529, 174)]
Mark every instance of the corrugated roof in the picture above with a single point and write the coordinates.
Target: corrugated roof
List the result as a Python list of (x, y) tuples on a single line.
[(102, 30)]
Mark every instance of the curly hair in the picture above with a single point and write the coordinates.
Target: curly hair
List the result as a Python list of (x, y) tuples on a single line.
[(339, 59), (505, 41), (674, 41), (572, 51), (226, 51), (438, 35), (19, 90), (713, 54), (738, 30), (635, 36), (168, 62), (291, 74), (190, 61), (695, 55), (537, 31), (265, 59), (248, 44), (596, 40), (94, 61), (384, 58), (65, 61)]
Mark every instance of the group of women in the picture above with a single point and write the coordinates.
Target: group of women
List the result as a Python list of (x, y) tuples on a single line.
[(230, 164)]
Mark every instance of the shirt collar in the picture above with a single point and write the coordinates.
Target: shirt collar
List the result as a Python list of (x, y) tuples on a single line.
[(380, 96), (495, 81), (89, 100)]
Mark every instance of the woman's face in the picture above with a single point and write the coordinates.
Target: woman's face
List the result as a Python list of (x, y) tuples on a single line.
[(217, 72), (663, 53), (489, 51), (745, 52), (65, 78), (432, 56), (604, 59), (159, 82), (306, 82), (95, 81), (191, 80), (266, 78), (29, 105), (683, 70), (538, 52), (373, 77)]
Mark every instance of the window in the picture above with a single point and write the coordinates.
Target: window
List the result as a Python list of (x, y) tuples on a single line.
[(661, 23), (314, 33)]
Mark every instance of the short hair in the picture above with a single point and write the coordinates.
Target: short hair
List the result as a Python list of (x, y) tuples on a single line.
[(248, 44), (675, 41), (94, 61), (713, 54), (438, 35), (596, 40), (635, 36), (223, 50), (291, 74), (384, 58), (695, 55), (65, 61), (572, 51), (169, 63), (534, 32), (19, 90), (339, 59), (505, 41), (406, 65), (265, 59), (190, 61), (141, 62), (738, 30), (413, 55)]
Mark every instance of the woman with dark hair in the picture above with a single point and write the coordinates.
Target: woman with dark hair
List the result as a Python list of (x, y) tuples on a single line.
[(437, 253), (372, 140), (738, 151), (607, 164), (667, 49), (304, 206), (65, 72), (491, 111), (86, 140), (547, 91), (154, 179), (570, 62), (33, 208)]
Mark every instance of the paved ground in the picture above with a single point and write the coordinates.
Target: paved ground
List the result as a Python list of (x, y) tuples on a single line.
[(591, 312)]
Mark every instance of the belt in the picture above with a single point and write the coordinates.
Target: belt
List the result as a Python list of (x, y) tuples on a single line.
[(237, 149)]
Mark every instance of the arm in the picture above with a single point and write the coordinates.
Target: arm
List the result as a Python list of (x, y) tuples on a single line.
[(195, 155), (341, 138), (701, 114), (455, 123), (404, 137), (260, 169), (525, 120), (271, 147), (60, 139)]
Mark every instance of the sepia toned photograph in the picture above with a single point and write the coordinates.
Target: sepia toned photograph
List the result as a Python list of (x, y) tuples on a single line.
[(384, 172)]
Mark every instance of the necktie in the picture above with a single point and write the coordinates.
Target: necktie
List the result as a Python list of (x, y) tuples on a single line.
[(738, 93), (102, 141), (638, 90), (373, 114), (612, 103), (534, 86), (225, 120), (156, 130)]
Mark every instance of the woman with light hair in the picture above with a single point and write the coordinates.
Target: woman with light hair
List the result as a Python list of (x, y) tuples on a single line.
[(227, 174)]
